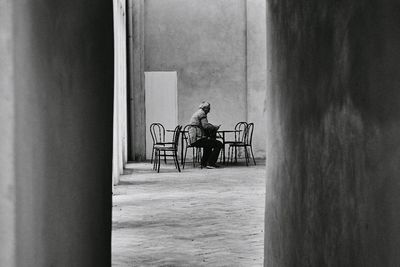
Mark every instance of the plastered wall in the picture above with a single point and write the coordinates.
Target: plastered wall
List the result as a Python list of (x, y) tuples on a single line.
[(217, 56), (257, 72), (204, 41), (56, 95), (333, 137)]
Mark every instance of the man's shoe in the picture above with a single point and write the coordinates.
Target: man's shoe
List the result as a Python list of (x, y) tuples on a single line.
[(214, 166)]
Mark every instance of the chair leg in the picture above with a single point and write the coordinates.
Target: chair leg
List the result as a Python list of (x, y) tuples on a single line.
[(152, 159), (246, 156), (236, 154), (251, 149), (155, 160), (194, 156), (184, 159), (198, 154), (159, 161), (173, 158), (152, 152), (176, 160), (165, 157), (230, 154)]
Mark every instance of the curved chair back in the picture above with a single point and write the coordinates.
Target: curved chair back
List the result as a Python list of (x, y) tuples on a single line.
[(185, 134), (248, 138), (191, 133), (157, 132), (241, 127), (177, 132)]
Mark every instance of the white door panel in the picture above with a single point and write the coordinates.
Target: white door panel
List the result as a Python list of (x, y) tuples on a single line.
[(161, 102)]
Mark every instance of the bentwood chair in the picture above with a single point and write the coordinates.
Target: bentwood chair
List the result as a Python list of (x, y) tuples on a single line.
[(246, 144), (169, 149), (157, 132), (240, 129), (196, 151)]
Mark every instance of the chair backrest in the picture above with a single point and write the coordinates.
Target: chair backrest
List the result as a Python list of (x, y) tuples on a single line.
[(175, 138), (185, 134), (191, 133), (241, 127), (248, 138), (157, 132)]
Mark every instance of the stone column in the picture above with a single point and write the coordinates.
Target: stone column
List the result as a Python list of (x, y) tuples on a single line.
[(333, 142), (137, 109), (7, 132), (56, 102)]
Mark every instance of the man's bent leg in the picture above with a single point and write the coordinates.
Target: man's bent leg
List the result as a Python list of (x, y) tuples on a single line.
[(206, 155), (216, 148), (207, 150)]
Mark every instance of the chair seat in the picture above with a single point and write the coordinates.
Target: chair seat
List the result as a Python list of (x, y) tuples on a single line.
[(166, 148), (164, 143), (161, 145), (233, 142), (238, 144)]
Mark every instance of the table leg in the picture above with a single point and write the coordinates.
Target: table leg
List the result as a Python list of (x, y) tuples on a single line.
[(223, 148), (182, 149)]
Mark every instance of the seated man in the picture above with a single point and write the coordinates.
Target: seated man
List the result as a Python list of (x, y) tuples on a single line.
[(205, 136)]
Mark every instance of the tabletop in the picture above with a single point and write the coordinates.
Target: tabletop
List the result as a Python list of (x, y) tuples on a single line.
[(219, 131), (228, 131)]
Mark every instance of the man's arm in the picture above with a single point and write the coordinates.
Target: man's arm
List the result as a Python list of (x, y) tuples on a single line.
[(204, 123)]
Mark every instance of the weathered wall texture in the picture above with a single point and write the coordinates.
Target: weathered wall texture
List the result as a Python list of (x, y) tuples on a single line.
[(334, 134), (204, 41), (63, 90), (256, 72)]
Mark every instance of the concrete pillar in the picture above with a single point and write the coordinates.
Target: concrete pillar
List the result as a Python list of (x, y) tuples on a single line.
[(7, 118), (56, 148), (137, 109), (333, 142), (120, 146)]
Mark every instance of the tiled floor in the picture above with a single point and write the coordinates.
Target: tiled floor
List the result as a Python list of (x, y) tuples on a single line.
[(199, 217)]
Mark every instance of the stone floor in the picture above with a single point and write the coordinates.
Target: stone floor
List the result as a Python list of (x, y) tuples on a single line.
[(198, 217)]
